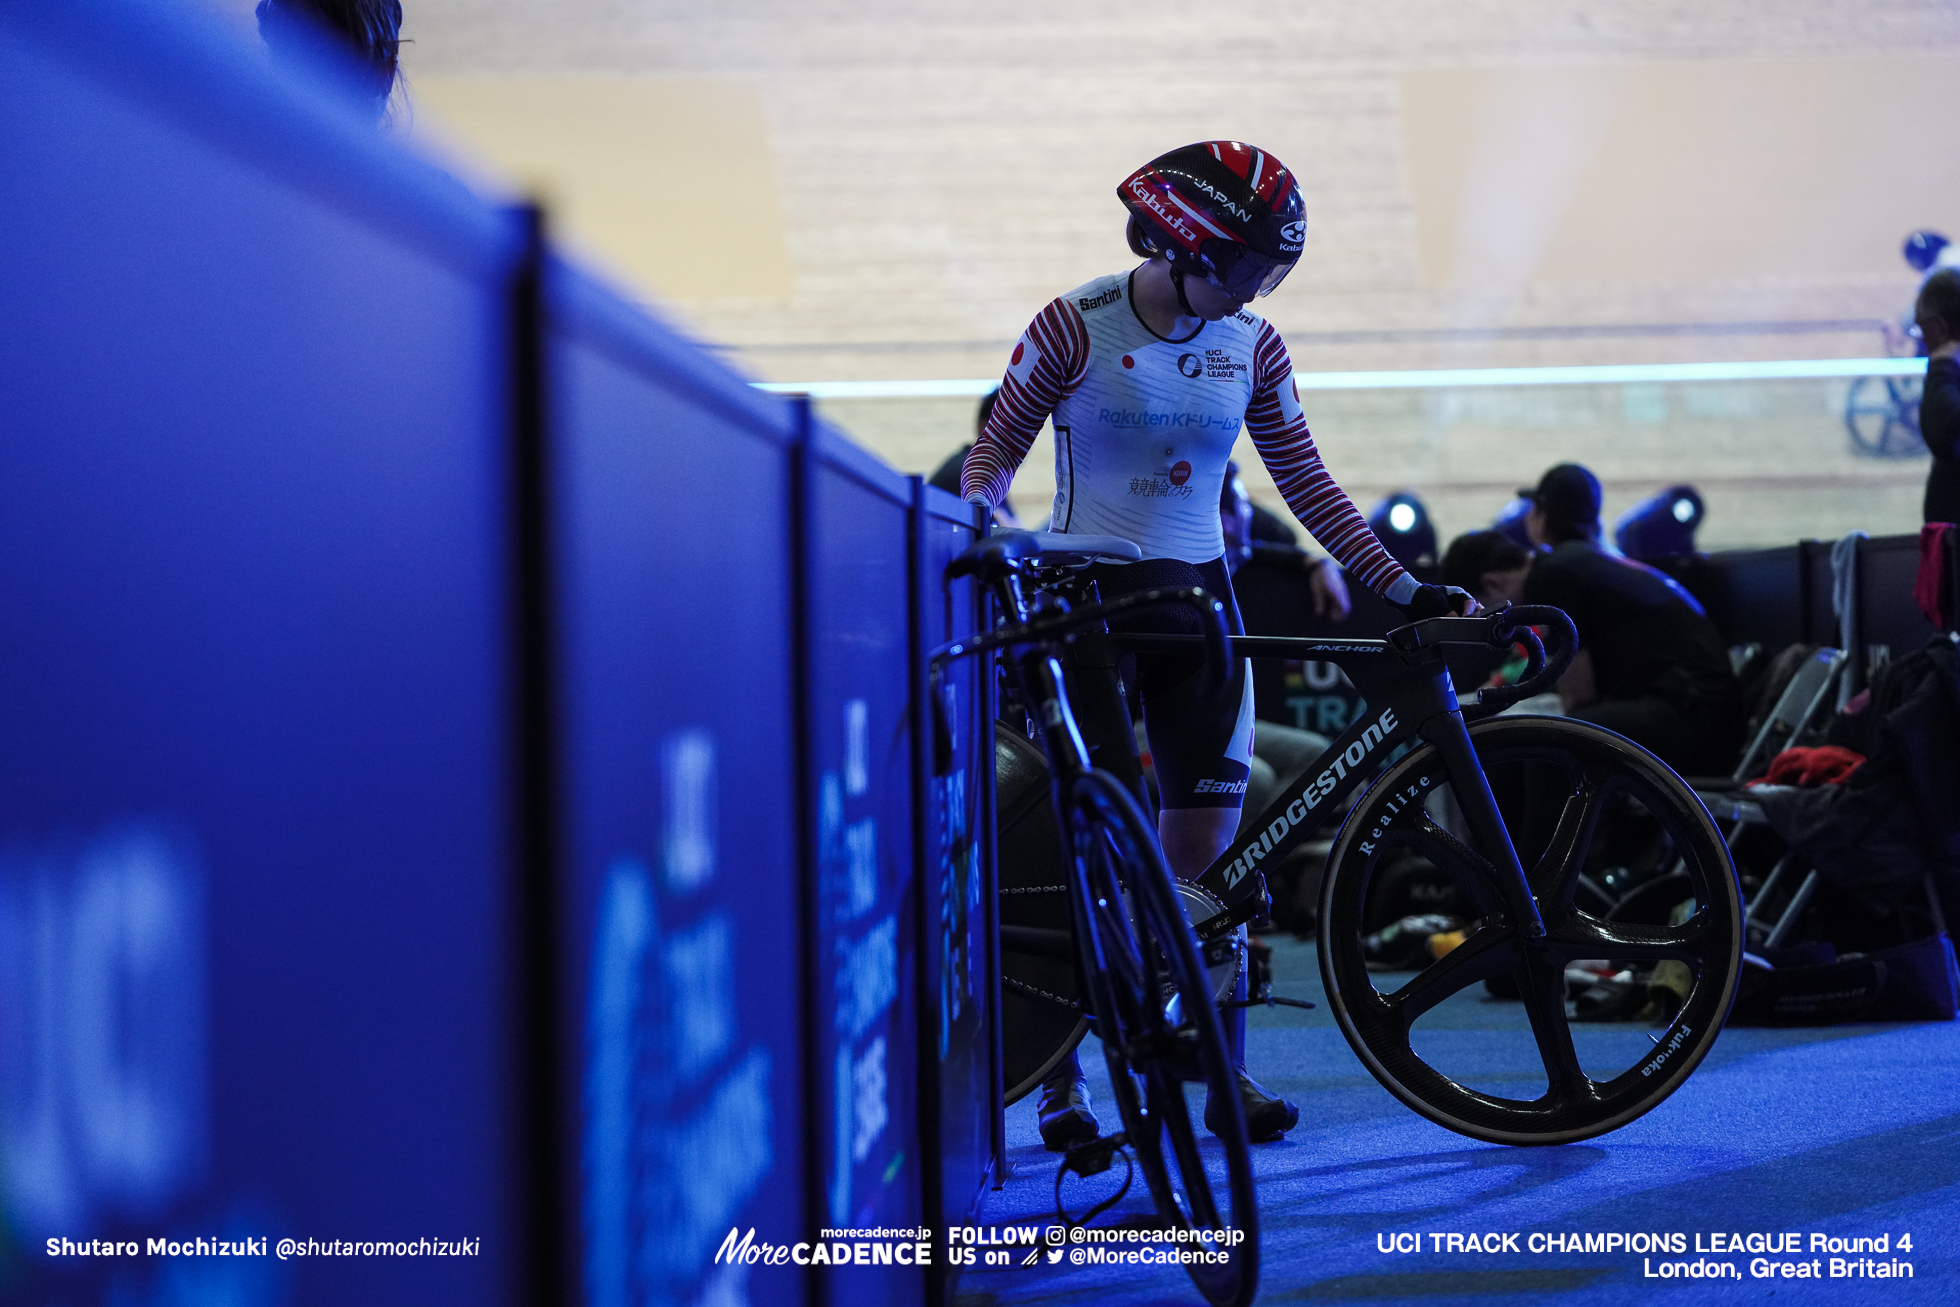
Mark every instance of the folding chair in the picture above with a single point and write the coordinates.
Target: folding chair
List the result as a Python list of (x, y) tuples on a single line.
[(1792, 715), (1795, 709)]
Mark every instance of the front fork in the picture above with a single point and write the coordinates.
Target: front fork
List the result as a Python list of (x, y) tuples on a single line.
[(1451, 739)]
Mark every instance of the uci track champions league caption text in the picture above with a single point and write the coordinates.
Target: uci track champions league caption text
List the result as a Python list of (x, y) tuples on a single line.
[(1681, 1255)]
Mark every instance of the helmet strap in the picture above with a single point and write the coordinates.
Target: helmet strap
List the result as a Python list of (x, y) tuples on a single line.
[(1177, 280)]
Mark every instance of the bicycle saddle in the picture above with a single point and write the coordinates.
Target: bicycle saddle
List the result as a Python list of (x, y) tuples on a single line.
[(990, 557)]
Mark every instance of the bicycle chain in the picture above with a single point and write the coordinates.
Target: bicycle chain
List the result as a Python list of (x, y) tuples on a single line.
[(1026, 988), (1034, 889)]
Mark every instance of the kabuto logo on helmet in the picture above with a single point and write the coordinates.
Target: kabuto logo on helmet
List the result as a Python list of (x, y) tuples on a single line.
[(1296, 232)]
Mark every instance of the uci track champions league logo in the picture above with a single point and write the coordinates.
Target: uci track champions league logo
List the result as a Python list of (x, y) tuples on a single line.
[(677, 1108), (864, 937), (104, 1117)]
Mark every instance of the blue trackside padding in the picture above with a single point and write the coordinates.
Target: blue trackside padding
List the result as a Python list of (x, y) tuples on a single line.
[(957, 1025), (255, 945), (683, 1003), (860, 769)]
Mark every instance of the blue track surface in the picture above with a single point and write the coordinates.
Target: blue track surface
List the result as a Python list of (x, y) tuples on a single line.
[(1844, 1132)]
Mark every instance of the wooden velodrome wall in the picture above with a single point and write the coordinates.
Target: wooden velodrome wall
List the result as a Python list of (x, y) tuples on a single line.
[(891, 190)]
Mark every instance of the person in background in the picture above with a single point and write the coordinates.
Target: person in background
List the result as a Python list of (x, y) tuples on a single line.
[(1927, 252), (947, 475), (1649, 667), (1240, 519), (1280, 753), (370, 30), (1937, 314)]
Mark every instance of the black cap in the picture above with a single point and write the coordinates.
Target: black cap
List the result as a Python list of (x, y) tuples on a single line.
[(1568, 494)]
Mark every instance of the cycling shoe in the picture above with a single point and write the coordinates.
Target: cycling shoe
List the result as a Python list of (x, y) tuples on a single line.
[(1064, 1114), (1266, 1117)]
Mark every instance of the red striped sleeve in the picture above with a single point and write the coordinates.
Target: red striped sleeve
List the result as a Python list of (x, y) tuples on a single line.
[(1049, 361), (1279, 432)]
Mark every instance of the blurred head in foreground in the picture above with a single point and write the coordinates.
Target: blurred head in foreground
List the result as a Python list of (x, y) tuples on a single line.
[(370, 30)]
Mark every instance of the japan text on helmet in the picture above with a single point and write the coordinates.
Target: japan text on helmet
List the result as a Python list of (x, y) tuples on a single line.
[(1922, 249), (1223, 210)]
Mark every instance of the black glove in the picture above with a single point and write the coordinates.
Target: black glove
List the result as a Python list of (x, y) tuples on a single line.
[(1437, 601)]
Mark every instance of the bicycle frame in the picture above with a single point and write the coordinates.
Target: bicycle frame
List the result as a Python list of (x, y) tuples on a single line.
[(1408, 697)]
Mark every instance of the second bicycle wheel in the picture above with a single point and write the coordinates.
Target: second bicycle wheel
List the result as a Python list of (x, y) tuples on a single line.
[(1882, 415), (1555, 779), (1159, 1026)]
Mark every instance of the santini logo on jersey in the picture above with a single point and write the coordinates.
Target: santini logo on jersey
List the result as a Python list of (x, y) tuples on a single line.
[(1323, 785), (1109, 296), (1219, 787)]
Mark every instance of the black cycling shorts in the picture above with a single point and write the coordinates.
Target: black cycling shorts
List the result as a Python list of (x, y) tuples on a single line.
[(1200, 748)]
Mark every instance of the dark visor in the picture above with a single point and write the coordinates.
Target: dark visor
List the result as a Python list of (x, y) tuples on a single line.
[(1240, 271)]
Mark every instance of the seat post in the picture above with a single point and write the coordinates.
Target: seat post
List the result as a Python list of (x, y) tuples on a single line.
[(1094, 680)]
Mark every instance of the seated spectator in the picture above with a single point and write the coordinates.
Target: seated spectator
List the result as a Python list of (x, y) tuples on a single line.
[(1649, 667), (1938, 315), (1244, 543)]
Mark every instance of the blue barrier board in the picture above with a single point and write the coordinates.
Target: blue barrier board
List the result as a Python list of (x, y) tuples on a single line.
[(681, 909), (254, 811)]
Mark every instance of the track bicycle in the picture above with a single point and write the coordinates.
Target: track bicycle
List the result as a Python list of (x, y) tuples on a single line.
[(1434, 770), (1123, 948), (1882, 413)]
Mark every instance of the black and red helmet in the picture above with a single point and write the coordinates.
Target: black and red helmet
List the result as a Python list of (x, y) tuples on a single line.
[(1222, 210)]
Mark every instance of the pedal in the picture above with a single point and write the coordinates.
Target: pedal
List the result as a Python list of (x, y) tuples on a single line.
[(1260, 982), (1096, 1156)]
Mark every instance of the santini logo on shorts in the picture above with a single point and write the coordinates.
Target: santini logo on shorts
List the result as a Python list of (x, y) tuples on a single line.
[(1219, 787), (1323, 785)]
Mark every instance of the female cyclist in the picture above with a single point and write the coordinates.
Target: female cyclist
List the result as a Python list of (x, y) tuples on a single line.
[(1149, 376)]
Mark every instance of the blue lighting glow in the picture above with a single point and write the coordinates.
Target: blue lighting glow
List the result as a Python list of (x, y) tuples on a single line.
[(1435, 378)]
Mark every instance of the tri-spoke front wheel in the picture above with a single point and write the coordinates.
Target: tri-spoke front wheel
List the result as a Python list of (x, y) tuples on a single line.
[(1555, 779)]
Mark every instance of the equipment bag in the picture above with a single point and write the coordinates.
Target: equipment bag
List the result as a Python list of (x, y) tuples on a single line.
[(1811, 986)]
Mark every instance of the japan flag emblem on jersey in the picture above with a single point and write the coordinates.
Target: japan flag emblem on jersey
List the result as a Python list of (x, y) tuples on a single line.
[(1288, 393), (1020, 365)]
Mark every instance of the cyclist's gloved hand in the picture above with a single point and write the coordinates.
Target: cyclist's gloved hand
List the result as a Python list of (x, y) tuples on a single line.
[(1438, 601)]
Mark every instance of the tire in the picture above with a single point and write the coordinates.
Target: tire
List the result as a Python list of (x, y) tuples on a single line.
[(1882, 416), (1591, 768), (1042, 1013), (1157, 1020), (1042, 1010)]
